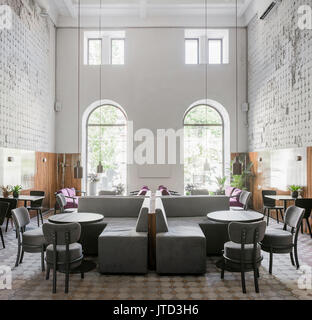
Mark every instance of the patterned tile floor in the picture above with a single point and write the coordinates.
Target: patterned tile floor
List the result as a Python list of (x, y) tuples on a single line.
[(29, 282)]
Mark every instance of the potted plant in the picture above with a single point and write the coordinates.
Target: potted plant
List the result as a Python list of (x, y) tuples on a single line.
[(189, 188), (221, 185), (93, 180), (16, 190), (120, 189), (6, 191), (295, 191), (240, 181)]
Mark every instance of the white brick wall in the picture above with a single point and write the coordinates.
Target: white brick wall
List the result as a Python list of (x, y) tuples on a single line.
[(280, 80), (27, 54)]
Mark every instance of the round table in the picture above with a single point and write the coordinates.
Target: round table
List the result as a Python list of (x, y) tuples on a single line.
[(235, 216), (79, 217)]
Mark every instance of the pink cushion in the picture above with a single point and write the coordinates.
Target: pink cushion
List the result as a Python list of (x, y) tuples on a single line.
[(234, 200), (229, 191), (165, 192), (70, 203), (71, 192)]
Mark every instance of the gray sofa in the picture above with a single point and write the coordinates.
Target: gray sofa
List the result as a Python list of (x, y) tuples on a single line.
[(185, 235), (121, 239)]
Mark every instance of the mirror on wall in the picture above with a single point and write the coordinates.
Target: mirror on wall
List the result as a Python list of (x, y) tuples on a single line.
[(17, 167)]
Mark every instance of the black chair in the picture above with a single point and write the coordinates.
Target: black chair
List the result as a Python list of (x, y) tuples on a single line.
[(64, 253), (37, 205), (270, 204), (244, 199), (283, 241), (243, 252), (32, 240), (4, 208), (307, 205), (13, 205)]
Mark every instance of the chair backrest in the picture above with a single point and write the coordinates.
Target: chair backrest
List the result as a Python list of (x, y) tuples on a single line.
[(305, 204), (107, 193), (293, 217), (35, 204), (21, 217), (61, 201), (12, 205), (247, 233), (4, 208), (266, 201), (244, 199), (200, 192), (61, 234)]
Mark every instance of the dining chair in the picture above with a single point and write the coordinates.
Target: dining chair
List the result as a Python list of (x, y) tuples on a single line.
[(13, 205), (37, 205), (270, 204), (243, 252), (63, 252), (244, 199), (61, 203), (4, 208), (307, 205), (32, 240), (285, 240)]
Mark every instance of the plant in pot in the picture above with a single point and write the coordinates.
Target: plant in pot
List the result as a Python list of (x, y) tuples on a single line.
[(120, 189), (221, 185), (240, 181), (6, 190), (189, 188), (16, 190), (295, 191)]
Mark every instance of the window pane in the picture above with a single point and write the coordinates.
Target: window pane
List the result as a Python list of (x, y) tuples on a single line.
[(118, 51), (203, 115), (215, 51), (95, 52), (191, 51)]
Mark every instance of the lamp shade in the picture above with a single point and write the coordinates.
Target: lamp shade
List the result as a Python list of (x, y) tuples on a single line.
[(237, 167), (78, 171)]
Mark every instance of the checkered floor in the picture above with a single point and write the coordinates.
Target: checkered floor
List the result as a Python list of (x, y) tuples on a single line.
[(29, 282)]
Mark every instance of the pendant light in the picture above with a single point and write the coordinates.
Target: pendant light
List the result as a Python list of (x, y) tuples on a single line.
[(237, 165), (100, 168), (78, 170)]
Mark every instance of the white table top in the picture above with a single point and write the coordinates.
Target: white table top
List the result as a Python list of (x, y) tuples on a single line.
[(79, 217), (235, 216), (282, 197), (26, 198)]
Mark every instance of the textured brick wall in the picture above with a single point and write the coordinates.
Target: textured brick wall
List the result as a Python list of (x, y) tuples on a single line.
[(280, 80), (27, 54)]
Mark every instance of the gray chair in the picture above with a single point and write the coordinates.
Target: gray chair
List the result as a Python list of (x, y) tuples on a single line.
[(270, 204), (63, 252), (307, 205), (13, 205), (61, 203), (30, 241), (37, 205), (283, 241), (244, 199), (243, 252), (107, 193), (4, 208), (200, 192)]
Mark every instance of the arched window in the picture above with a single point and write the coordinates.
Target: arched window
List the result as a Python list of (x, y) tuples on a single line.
[(203, 147), (107, 142)]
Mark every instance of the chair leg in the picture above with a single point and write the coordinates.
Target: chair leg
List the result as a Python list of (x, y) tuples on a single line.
[(38, 219), (48, 272), (309, 227), (292, 258), (243, 282), (22, 256), (256, 276), (40, 212), (277, 215), (258, 273), (302, 227), (54, 278), (2, 239), (67, 279), (42, 260), (222, 273), (7, 225), (271, 262), (18, 255), (82, 275), (268, 217), (296, 257)]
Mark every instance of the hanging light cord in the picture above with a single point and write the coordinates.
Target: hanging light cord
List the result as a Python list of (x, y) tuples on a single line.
[(236, 83), (100, 32), (79, 42)]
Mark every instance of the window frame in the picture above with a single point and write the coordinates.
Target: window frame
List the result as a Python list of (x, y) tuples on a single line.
[(208, 125), (198, 50), (111, 51), (221, 47), (88, 51)]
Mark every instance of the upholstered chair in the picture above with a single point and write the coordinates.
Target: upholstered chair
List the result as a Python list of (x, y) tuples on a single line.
[(61, 203), (37, 205), (270, 204)]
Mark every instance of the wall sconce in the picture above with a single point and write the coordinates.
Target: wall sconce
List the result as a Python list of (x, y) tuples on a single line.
[(260, 159), (44, 160), (299, 158), (10, 159)]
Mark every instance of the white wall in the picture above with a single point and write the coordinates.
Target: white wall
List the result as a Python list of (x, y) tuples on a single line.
[(154, 87), (27, 89)]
